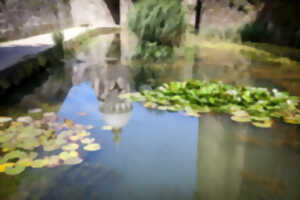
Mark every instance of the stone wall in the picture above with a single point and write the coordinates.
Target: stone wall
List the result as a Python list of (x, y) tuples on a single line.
[(19, 19)]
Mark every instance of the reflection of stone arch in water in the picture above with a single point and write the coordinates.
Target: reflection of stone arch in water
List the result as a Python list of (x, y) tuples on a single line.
[(116, 112)]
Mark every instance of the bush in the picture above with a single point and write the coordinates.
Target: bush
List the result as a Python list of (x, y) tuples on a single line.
[(159, 21)]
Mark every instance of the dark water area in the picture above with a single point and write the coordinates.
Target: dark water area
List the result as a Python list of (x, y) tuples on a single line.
[(153, 154)]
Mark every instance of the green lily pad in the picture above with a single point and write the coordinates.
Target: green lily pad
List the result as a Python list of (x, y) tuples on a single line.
[(29, 144), (70, 147), (241, 119), (52, 161), (92, 147), (65, 155), (14, 155), (73, 161), (50, 145), (240, 113), (15, 170), (39, 163), (83, 134)]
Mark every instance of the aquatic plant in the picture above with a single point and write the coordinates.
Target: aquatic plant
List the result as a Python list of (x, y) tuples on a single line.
[(244, 104), (42, 143)]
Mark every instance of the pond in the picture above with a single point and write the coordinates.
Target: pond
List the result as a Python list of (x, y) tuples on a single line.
[(152, 154)]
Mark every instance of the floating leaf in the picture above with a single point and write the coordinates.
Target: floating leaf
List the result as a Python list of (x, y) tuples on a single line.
[(87, 140), (3, 166), (65, 155), (14, 170), (106, 128), (73, 161), (83, 134), (52, 161), (70, 147), (150, 105), (266, 124), (39, 163), (241, 119), (14, 155), (92, 147), (74, 138)]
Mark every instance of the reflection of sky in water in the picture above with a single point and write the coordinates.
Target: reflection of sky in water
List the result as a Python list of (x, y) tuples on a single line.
[(158, 154)]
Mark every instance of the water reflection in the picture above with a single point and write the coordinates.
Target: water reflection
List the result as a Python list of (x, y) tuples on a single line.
[(219, 160), (164, 155)]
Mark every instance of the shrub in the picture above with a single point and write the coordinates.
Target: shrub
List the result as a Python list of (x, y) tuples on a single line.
[(159, 21)]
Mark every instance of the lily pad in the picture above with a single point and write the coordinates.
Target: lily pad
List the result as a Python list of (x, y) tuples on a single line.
[(14, 155), (70, 147), (52, 161), (87, 140), (39, 163), (266, 124), (3, 166), (92, 147), (74, 138), (73, 161), (106, 128), (14, 170), (65, 155), (241, 119)]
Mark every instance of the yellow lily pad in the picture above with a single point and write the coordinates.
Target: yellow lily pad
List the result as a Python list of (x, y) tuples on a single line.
[(73, 161), (3, 166), (92, 147), (106, 128), (241, 119), (87, 140), (70, 147), (266, 124)]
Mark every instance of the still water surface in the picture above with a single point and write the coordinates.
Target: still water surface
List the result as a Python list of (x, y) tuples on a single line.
[(153, 154)]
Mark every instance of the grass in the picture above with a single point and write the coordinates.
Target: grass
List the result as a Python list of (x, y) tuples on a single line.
[(257, 52)]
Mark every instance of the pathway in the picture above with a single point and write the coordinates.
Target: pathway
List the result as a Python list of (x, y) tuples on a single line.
[(13, 52)]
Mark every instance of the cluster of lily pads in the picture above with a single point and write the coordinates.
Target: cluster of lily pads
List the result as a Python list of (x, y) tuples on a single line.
[(245, 104), (42, 143)]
